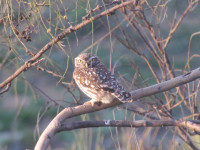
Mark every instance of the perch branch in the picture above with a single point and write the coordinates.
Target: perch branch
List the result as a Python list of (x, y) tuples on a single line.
[(56, 123), (190, 124)]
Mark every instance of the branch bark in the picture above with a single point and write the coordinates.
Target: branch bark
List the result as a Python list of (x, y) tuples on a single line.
[(190, 124), (56, 123)]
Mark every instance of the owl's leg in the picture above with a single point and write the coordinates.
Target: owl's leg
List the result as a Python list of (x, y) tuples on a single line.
[(92, 102), (89, 103)]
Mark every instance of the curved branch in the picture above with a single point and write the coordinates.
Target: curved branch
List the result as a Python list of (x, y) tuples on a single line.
[(190, 124), (69, 30), (56, 123)]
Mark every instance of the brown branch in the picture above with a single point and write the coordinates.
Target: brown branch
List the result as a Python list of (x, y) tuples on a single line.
[(6, 89), (69, 30), (49, 72), (98, 7), (51, 129), (27, 65), (190, 124)]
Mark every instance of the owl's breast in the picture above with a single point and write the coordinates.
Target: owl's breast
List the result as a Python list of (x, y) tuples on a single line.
[(90, 81)]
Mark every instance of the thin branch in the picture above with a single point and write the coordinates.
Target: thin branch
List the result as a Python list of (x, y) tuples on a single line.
[(49, 72), (174, 28), (6, 89), (69, 30)]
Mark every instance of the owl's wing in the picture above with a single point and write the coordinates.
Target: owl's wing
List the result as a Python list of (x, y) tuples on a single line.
[(122, 95), (109, 84)]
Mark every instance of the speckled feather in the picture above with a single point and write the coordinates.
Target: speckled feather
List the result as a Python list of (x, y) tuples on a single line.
[(97, 82)]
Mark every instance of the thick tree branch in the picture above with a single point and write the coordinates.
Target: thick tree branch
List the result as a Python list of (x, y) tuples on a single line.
[(190, 124), (56, 123)]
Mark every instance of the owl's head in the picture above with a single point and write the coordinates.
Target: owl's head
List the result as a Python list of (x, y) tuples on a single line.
[(86, 60)]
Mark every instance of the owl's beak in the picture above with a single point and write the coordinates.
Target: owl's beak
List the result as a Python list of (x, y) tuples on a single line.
[(86, 65)]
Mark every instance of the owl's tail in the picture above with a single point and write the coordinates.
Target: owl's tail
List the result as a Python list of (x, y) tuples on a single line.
[(123, 96)]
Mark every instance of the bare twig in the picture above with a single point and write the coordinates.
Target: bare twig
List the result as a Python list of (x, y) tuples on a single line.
[(173, 28), (49, 72), (69, 30), (6, 89)]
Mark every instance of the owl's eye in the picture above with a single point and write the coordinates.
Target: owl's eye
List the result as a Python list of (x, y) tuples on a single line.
[(80, 61)]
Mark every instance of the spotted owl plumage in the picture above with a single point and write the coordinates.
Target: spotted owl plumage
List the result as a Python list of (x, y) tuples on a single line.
[(96, 81)]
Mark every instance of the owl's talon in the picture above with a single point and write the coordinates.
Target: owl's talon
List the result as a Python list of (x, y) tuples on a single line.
[(99, 103), (91, 102), (88, 103)]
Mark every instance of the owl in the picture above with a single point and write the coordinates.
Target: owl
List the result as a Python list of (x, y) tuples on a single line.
[(96, 81)]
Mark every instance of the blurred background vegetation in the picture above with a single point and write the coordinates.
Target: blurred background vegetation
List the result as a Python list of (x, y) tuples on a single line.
[(36, 96)]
